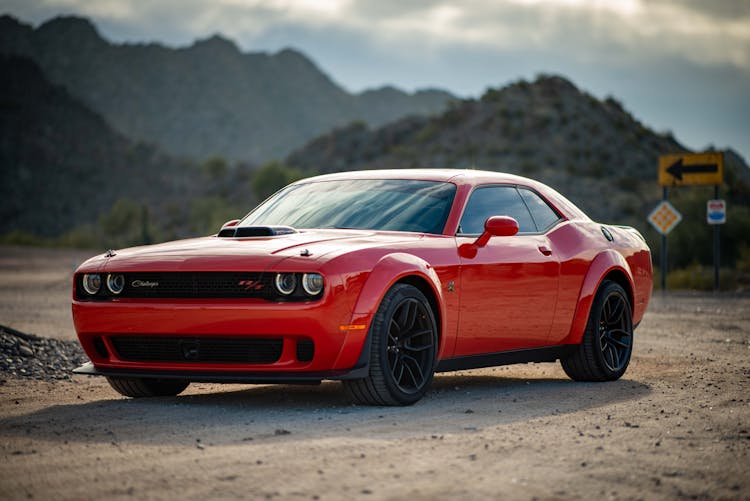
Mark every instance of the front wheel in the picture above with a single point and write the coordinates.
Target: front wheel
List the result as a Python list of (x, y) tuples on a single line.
[(604, 352), (146, 387), (402, 353)]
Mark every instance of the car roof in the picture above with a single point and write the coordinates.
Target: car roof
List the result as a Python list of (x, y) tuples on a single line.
[(457, 176)]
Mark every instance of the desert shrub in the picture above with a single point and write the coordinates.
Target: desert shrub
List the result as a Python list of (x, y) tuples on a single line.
[(215, 168), (207, 214), (121, 226), (426, 133), (701, 278), (20, 237), (272, 177)]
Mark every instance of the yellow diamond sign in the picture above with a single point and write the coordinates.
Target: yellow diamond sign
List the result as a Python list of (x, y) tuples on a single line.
[(664, 217)]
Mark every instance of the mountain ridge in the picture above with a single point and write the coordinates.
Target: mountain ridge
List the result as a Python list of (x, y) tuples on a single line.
[(62, 164), (208, 98)]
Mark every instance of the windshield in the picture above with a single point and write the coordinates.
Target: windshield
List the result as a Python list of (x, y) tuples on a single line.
[(372, 204)]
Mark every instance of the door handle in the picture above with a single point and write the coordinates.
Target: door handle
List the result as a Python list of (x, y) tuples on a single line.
[(545, 250)]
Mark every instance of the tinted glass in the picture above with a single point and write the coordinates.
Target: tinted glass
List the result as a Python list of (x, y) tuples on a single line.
[(542, 213), (372, 204), (494, 201)]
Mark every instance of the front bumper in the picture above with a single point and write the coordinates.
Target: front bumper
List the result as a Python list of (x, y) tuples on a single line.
[(338, 353)]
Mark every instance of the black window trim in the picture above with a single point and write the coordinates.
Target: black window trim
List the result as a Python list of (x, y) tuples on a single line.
[(518, 187)]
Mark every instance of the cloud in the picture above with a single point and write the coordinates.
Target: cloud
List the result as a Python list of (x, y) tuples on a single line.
[(706, 33), (680, 64)]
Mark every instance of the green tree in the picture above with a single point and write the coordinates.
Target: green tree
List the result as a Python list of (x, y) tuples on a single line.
[(207, 214), (215, 168), (121, 226), (272, 177)]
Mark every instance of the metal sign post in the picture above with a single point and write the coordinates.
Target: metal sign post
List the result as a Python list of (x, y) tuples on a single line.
[(683, 169), (664, 218), (717, 247), (664, 248), (716, 215)]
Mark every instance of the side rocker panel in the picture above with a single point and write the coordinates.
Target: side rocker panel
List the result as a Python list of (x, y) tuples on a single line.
[(389, 270), (604, 263)]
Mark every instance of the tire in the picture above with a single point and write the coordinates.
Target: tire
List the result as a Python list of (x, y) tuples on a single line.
[(147, 387), (604, 352), (403, 350)]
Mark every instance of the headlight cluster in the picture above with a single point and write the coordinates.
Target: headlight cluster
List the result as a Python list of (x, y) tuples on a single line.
[(92, 283), (270, 286), (287, 283)]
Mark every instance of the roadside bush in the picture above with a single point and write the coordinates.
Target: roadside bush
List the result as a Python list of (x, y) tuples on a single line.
[(272, 177), (700, 278)]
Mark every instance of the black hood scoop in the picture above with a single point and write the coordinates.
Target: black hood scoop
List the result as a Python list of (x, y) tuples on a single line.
[(256, 231)]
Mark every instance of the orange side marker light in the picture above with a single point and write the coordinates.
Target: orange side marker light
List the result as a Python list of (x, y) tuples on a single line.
[(353, 327)]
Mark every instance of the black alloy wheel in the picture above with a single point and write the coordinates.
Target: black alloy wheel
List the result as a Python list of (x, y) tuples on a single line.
[(607, 344), (615, 332), (411, 345), (403, 350)]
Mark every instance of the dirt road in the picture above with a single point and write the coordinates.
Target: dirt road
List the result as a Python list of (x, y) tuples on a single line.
[(676, 426)]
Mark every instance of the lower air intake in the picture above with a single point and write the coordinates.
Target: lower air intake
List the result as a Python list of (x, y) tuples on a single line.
[(305, 350), (198, 349)]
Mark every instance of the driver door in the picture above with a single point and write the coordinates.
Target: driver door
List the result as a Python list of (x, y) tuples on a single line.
[(509, 288)]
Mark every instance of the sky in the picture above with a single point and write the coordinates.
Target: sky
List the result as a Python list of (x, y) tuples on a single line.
[(681, 65)]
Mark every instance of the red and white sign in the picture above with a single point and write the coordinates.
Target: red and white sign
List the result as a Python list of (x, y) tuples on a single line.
[(716, 212)]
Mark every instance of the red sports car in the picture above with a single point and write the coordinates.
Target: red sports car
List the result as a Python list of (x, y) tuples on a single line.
[(376, 278)]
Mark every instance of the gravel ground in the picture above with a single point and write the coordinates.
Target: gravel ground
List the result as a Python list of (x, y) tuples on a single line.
[(676, 426), (26, 355)]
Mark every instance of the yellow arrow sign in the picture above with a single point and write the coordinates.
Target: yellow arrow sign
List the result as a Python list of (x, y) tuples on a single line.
[(691, 168)]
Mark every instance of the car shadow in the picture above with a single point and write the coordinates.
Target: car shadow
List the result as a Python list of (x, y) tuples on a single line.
[(456, 403)]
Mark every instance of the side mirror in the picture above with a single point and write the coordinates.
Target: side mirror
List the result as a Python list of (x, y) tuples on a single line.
[(495, 226)]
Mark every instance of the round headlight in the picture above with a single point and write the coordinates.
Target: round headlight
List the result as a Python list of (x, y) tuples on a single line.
[(312, 283), (286, 283), (115, 283), (92, 283)]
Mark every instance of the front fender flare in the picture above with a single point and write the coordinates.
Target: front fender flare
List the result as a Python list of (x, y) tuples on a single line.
[(603, 264), (389, 270)]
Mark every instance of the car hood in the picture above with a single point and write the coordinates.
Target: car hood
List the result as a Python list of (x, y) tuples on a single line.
[(252, 253)]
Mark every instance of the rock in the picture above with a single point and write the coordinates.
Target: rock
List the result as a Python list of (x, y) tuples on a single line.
[(29, 356)]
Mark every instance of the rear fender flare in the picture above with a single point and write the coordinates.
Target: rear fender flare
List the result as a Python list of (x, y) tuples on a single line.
[(603, 264), (388, 271)]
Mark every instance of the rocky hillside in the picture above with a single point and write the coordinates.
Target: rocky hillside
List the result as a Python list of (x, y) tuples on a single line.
[(61, 164), (207, 99), (593, 151)]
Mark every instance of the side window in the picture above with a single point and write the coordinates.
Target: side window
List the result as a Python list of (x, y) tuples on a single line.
[(494, 201), (544, 216)]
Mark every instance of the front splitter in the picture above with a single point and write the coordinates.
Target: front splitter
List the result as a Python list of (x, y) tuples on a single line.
[(89, 369)]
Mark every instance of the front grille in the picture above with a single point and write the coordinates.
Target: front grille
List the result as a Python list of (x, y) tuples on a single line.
[(198, 349), (184, 285)]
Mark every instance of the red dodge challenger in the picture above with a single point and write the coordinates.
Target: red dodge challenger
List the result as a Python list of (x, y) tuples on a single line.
[(375, 278)]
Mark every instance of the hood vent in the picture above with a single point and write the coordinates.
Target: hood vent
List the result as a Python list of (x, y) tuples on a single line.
[(256, 231)]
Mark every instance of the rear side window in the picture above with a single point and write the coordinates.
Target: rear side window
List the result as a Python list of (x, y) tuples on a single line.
[(544, 216), (488, 201)]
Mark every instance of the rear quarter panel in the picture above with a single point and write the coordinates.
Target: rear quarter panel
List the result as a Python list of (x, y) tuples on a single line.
[(587, 258)]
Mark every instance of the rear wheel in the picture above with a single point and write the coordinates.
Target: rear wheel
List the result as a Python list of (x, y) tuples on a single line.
[(402, 353), (146, 387), (604, 352)]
